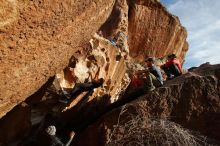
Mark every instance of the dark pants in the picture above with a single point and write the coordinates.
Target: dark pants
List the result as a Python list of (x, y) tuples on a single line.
[(172, 71), (82, 87)]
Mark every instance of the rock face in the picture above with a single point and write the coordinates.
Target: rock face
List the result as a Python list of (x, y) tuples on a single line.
[(100, 59), (153, 31), (38, 39), (147, 28), (45, 48), (117, 25), (192, 100)]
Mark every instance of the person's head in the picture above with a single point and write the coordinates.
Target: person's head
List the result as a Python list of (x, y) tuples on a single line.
[(135, 74), (98, 83), (149, 61), (100, 33), (51, 130), (101, 81), (140, 72), (171, 56)]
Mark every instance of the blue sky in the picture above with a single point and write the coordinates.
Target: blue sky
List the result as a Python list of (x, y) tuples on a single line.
[(202, 21)]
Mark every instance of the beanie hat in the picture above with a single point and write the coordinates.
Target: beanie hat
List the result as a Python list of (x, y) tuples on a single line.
[(172, 56), (151, 59), (51, 130)]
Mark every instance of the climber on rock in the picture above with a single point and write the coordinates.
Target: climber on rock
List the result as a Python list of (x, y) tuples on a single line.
[(173, 67), (100, 33), (153, 77), (54, 140), (81, 87), (113, 41)]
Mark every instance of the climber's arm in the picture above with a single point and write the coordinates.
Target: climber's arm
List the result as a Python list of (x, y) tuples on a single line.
[(72, 134)]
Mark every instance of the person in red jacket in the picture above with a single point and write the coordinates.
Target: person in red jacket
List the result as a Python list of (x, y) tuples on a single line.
[(173, 67), (136, 81)]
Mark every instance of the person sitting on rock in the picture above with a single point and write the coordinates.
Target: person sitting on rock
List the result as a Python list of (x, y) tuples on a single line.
[(55, 141), (81, 87), (173, 67), (153, 75), (136, 82)]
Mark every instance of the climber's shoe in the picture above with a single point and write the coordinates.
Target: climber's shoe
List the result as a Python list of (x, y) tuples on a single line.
[(63, 100), (66, 94), (149, 89)]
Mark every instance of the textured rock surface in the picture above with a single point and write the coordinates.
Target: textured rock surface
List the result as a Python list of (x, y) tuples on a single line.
[(148, 28), (37, 38), (153, 31), (117, 25), (41, 39), (101, 59), (192, 100)]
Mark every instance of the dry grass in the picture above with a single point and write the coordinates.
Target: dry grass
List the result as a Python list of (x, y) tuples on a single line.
[(143, 131)]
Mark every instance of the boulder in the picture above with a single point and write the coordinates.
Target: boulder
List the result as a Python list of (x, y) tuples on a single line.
[(38, 39), (191, 100)]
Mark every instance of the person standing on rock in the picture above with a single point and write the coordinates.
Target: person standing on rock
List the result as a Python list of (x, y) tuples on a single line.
[(173, 67), (55, 141), (153, 75)]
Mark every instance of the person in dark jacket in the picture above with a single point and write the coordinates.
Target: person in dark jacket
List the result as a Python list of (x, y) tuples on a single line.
[(153, 75), (55, 141), (81, 87)]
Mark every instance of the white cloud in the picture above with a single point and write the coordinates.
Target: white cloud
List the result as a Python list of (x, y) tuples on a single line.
[(202, 20)]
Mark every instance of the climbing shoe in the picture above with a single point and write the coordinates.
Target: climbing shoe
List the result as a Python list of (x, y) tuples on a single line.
[(63, 100), (151, 88), (66, 94)]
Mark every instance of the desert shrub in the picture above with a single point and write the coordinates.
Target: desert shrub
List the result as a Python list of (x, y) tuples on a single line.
[(140, 130)]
